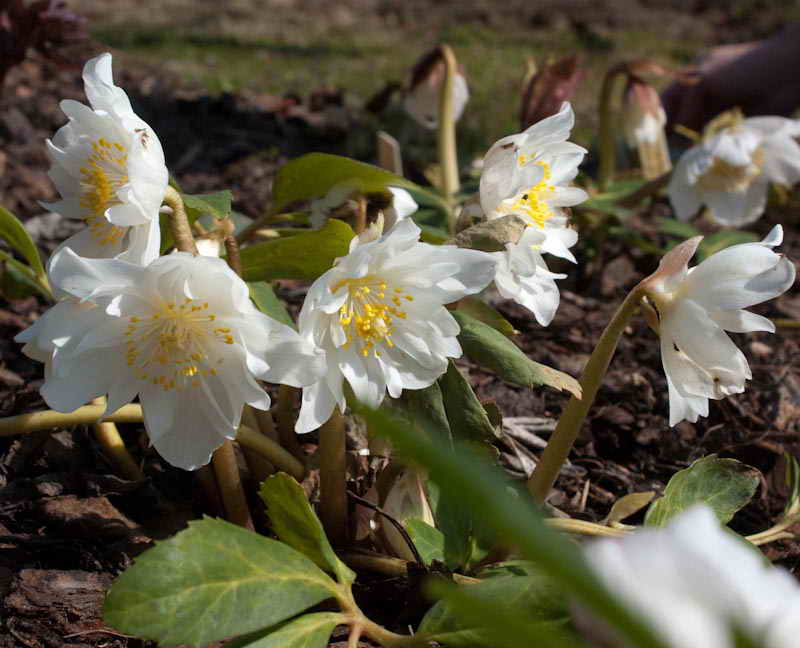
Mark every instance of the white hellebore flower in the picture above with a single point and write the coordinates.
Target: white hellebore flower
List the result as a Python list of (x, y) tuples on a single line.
[(109, 168), (697, 305), (697, 584), (402, 205), (181, 333), (379, 314), (730, 171), (529, 174)]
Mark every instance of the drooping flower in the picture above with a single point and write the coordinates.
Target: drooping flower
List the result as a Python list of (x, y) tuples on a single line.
[(108, 166), (730, 170), (425, 88), (402, 205), (697, 585), (529, 174), (695, 308), (180, 332), (379, 314), (549, 88), (643, 121)]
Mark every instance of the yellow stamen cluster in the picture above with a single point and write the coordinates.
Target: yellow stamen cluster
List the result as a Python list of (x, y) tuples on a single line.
[(369, 311), (168, 348), (104, 173), (722, 176), (533, 201)]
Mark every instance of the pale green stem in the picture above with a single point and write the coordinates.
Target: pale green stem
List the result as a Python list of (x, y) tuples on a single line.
[(785, 322), (90, 414), (108, 435), (569, 425), (333, 478), (230, 485), (607, 143), (448, 156), (179, 222)]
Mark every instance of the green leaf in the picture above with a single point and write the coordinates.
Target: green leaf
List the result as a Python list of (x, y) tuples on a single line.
[(295, 523), (491, 349), (514, 519), (428, 540), (308, 631), (313, 175), (627, 505), (608, 202), (265, 299), (423, 409), (677, 228), (456, 522), (217, 205), (481, 311), (304, 256), (725, 485), (492, 235), (721, 240), (15, 234), (211, 581), (16, 283), (502, 612), (468, 420)]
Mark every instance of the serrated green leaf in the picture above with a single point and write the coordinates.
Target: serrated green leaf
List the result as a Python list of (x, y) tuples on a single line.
[(13, 232), (428, 540), (725, 485), (313, 175), (721, 240), (305, 256), (491, 349), (468, 420), (482, 312), (211, 581), (295, 523), (265, 299), (308, 631), (517, 521), (677, 228), (526, 593)]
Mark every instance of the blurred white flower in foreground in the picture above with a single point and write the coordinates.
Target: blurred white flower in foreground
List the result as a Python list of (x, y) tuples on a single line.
[(730, 171), (425, 89), (696, 583), (695, 308), (529, 174), (181, 333), (108, 166), (402, 205), (379, 314)]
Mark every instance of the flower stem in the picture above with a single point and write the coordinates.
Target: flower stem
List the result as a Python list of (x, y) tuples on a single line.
[(285, 419), (114, 447), (232, 254), (230, 484), (448, 157), (569, 425), (179, 222), (607, 143), (333, 478), (90, 414)]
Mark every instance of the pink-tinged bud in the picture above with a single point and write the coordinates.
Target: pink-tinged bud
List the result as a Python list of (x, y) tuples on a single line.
[(551, 86), (643, 121), (425, 86)]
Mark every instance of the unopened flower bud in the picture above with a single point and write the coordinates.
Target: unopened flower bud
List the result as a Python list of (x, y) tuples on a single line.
[(425, 89), (548, 89), (643, 121)]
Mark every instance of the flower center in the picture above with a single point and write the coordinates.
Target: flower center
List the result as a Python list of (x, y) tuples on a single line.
[(105, 172), (723, 176), (171, 347), (369, 311), (533, 201)]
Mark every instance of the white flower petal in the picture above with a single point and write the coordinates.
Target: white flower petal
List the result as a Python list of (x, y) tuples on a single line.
[(737, 209), (317, 407), (742, 321)]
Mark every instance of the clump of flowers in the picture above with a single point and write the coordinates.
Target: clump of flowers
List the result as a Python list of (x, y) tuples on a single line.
[(730, 170), (181, 333), (697, 305), (529, 174), (108, 166), (379, 314)]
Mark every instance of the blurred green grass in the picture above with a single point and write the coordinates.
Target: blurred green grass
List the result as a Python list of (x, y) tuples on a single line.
[(361, 63)]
